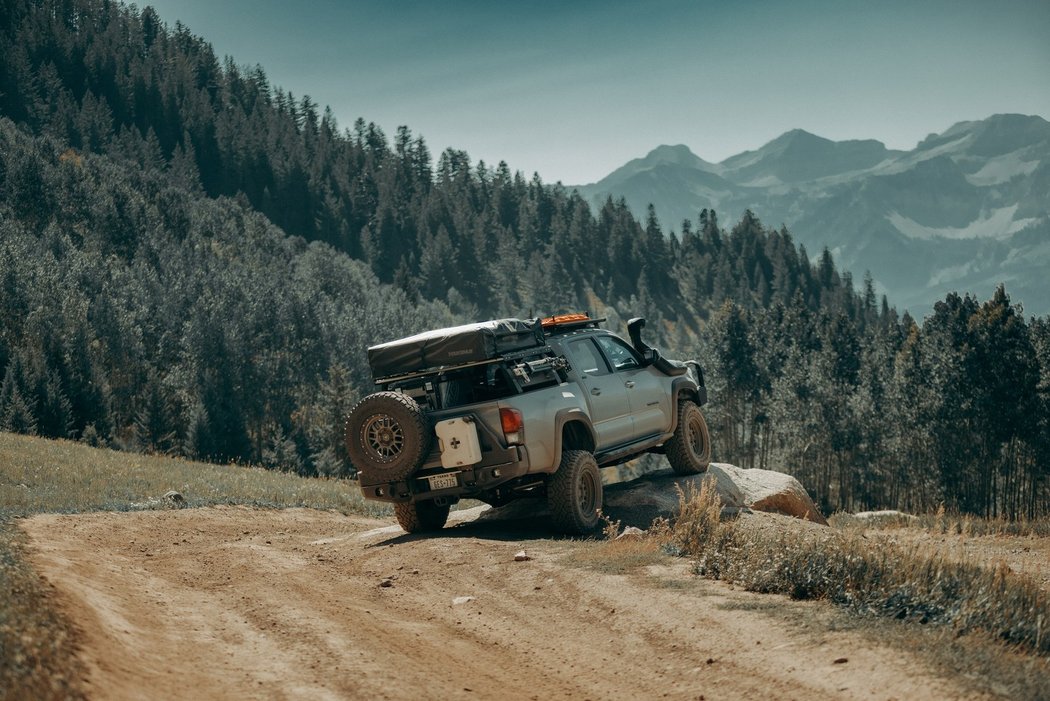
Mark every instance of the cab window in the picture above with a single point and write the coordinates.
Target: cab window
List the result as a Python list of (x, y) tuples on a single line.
[(619, 353), (586, 359)]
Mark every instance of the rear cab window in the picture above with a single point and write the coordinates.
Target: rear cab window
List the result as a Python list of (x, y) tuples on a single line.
[(586, 358)]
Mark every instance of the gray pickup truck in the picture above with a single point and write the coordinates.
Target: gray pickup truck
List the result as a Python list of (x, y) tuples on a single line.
[(513, 408)]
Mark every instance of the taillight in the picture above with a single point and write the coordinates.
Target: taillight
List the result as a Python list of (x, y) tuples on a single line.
[(513, 425)]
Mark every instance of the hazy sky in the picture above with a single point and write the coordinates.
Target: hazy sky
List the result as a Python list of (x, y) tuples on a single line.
[(574, 89)]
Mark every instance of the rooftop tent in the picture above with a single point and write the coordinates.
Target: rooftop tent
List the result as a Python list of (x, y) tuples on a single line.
[(456, 345)]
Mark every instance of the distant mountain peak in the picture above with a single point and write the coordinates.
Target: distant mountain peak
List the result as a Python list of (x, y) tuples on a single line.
[(1010, 120), (996, 135), (809, 143), (679, 154), (799, 135), (798, 155)]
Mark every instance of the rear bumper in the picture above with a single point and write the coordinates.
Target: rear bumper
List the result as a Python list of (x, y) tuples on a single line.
[(497, 467)]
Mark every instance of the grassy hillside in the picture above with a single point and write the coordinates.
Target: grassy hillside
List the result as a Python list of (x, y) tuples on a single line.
[(37, 647), (63, 476)]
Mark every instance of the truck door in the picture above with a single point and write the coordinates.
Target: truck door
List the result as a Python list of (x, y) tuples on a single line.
[(648, 397), (605, 393)]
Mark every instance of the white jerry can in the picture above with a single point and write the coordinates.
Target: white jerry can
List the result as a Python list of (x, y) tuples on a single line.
[(458, 440)]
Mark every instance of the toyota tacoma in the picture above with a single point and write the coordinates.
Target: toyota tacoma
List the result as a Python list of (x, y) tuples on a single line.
[(512, 408)]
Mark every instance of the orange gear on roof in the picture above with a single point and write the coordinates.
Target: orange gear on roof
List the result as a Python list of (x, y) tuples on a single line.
[(563, 319)]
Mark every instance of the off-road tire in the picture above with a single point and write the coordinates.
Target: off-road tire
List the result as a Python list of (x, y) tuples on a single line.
[(574, 493), (421, 516), (388, 436), (689, 450)]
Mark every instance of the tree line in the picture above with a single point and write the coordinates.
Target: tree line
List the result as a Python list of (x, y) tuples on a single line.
[(193, 261), (874, 412)]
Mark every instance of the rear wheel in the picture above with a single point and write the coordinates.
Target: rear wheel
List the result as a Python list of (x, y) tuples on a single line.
[(421, 516), (689, 450), (574, 493)]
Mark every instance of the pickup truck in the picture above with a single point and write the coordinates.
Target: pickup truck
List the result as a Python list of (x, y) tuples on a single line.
[(512, 408)]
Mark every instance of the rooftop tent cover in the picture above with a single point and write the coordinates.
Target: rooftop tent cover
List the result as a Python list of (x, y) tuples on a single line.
[(454, 346)]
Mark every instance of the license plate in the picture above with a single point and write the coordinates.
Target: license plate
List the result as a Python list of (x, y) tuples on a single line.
[(447, 481)]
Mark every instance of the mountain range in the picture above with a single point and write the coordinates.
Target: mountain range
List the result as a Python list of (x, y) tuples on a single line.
[(963, 211)]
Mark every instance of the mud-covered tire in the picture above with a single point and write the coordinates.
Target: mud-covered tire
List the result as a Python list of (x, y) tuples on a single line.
[(388, 436), (689, 450), (421, 516), (574, 493)]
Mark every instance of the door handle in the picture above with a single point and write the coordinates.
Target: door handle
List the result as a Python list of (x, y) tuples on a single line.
[(595, 391), (629, 383)]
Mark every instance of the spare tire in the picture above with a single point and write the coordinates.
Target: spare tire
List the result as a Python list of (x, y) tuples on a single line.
[(388, 436)]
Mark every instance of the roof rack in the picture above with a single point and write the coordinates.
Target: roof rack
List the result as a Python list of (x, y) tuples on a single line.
[(568, 322)]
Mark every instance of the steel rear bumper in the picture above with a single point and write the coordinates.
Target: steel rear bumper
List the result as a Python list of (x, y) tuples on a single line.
[(496, 468)]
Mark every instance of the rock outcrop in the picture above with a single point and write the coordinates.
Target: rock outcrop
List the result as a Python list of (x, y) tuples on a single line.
[(638, 502)]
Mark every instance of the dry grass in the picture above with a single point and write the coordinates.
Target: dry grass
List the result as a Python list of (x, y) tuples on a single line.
[(61, 476), (984, 622), (37, 658), (869, 577), (947, 523), (616, 555)]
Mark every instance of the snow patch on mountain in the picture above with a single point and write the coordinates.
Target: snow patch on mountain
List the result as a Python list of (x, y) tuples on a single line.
[(1003, 169), (946, 276), (764, 181), (999, 224)]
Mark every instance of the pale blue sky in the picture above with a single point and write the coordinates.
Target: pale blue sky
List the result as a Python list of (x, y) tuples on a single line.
[(573, 90)]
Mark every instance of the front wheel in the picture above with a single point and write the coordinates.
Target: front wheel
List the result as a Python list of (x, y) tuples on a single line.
[(689, 450), (421, 516), (574, 493)]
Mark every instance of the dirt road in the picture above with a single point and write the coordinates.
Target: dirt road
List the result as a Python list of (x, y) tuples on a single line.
[(237, 603)]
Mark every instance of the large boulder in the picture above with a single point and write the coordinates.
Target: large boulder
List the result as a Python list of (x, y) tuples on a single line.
[(638, 502), (656, 494), (766, 490)]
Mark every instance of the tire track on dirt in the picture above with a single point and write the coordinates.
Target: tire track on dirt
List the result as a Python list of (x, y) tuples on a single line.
[(231, 602)]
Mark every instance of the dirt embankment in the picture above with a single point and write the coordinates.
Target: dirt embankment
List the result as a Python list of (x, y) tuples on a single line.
[(240, 603)]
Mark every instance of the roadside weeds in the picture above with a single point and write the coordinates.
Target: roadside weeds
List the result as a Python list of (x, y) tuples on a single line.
[(37, 645), (985, 624)]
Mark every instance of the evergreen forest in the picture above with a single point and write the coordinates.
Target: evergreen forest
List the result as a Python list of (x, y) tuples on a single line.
[(193, 261)]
